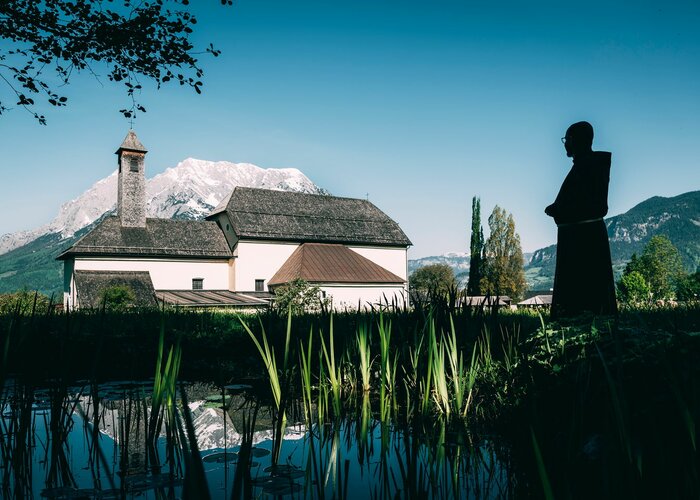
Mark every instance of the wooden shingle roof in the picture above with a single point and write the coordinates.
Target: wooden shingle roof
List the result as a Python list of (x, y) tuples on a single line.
[(160, 237), (331, 263), (284, 215), (89, 286)]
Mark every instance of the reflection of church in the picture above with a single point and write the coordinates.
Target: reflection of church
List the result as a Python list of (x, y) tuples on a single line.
[(255, 241)]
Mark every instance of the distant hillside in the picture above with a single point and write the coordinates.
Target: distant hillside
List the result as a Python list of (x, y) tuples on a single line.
[(678, 218), (459, 262)]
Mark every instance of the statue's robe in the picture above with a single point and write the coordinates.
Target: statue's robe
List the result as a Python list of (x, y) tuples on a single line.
[(583, 280)]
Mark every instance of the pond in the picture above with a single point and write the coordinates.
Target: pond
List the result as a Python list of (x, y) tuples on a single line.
[(108, 440)]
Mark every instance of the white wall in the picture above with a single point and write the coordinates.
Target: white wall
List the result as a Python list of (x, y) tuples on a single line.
[(391, 259), (259, 260), (68, 286), (166, 274), (349, 296)]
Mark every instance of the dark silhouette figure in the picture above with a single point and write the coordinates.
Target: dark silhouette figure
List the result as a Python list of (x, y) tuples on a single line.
[(583, 280)]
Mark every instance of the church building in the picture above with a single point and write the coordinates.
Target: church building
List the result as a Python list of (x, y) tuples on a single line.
[(254, 242)]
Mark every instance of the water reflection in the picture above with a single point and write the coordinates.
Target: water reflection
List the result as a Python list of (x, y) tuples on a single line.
[(93, 441)]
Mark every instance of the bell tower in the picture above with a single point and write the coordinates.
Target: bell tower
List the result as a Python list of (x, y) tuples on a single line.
[(131, 196)]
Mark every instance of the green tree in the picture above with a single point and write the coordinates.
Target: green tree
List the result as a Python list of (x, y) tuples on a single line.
[(24, 302), (661, 266), (503, 257), (633, 288), (117, 298), (45, 42), (301, 296), (689, 287), (431, 282), (476, 249)]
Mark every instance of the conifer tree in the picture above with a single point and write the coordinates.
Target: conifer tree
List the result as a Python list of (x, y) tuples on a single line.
[(476, 248)]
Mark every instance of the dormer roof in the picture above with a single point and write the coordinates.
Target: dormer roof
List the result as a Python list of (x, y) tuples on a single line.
[(131, 143)]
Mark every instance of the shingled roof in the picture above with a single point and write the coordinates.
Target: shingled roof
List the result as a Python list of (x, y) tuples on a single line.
[(90, 285), (327, 263), (284, 215), (132, 143), (160, 237)]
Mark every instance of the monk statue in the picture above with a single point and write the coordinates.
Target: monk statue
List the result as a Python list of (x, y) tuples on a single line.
[(583, 280)]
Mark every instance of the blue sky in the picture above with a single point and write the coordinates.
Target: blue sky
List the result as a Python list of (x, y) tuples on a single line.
[(419, 105)]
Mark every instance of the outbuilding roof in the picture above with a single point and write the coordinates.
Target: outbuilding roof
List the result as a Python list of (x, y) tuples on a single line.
[(90, 286), (213, 298), (331, 263), (291, 216), (537, 300), (160, 237)]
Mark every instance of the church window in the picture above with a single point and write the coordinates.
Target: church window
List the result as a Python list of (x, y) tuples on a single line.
[(197, 283), (134, 164), (259, 285)]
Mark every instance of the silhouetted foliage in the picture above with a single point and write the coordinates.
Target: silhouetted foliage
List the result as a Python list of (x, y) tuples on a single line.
[(47, 41)]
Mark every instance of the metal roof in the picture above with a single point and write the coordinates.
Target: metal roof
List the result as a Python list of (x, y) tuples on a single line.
[(212, 298), (331, 263)]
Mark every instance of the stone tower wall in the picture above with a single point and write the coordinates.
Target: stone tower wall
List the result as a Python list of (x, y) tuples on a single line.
[(131, 201)]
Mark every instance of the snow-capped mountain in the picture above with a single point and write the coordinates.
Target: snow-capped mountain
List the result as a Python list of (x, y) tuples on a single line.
[(188, 191)]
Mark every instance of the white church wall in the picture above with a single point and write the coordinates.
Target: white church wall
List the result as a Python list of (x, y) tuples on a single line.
[(350, 296), (166, 274), (68, 285), (392, 259), (259, 260)]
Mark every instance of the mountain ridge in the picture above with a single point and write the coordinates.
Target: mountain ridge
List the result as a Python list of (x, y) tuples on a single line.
[(189, 190)]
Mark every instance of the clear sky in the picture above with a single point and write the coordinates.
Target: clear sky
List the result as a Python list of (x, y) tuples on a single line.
[(419, 105)]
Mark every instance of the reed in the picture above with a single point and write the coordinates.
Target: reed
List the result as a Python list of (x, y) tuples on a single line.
[(334, 376), (541, 469), (441, 393), (363, 341), (305, 374), (164, 387), (386, 372)]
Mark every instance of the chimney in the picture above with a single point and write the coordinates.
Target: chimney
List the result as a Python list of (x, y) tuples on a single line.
[(131, 197)]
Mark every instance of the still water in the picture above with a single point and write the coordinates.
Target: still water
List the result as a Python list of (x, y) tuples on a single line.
[(102, 441)]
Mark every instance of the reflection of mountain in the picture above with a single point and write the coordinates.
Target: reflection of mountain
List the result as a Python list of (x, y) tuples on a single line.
[(208, 425)]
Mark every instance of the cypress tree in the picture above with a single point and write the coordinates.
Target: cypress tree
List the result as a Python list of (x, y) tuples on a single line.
[(476, 247)]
